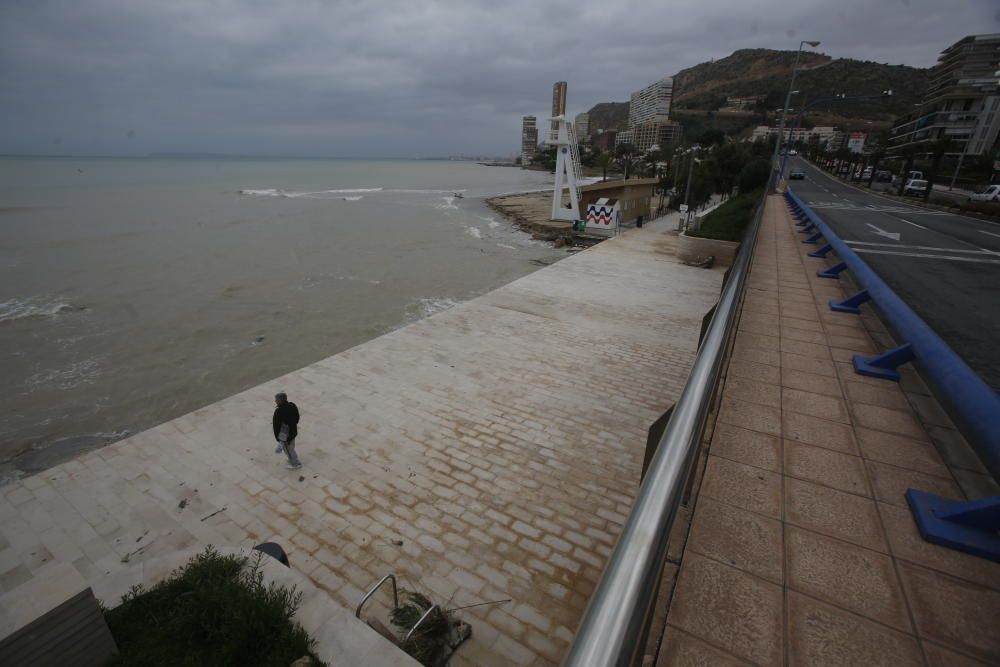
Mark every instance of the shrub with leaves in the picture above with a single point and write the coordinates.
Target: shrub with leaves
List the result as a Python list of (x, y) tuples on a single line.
[(430, 641), (216, 610)]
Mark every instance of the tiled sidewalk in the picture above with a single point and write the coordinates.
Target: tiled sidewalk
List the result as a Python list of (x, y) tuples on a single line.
[(802, 550)]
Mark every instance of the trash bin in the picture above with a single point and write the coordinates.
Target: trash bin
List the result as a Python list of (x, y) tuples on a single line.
[(638, 221)]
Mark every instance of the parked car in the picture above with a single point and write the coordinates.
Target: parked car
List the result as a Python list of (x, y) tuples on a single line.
[(866, 174), (991, 193), (915, 188), (796, 175), (883, 176), (793, 152)]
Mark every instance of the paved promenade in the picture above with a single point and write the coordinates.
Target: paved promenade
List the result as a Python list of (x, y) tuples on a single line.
[(802, 550), (490, 452)]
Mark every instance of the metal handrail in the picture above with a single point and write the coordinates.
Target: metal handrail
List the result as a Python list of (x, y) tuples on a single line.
[(395, 596), (419, 621), (616, 622)]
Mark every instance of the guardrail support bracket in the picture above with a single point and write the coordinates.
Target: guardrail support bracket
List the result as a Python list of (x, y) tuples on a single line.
[(970, 527), (808, 229), (850, 304), (814, 238), (833, 271), (884, 365), (822, 251)]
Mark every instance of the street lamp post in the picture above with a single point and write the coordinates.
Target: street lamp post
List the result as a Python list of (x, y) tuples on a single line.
[(788, 100), (687, 189)]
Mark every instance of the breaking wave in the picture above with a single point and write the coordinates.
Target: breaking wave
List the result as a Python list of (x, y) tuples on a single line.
[(17, 309), (474, 232), (326, 194)]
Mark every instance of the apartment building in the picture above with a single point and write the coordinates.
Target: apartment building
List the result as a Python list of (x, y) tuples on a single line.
[(962, 102), (649, 121), (529, 139)]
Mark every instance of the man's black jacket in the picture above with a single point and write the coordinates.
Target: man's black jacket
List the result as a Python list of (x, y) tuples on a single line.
[(286, 413)]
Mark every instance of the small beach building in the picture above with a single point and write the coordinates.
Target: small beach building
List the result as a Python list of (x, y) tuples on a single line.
[(634, 197)]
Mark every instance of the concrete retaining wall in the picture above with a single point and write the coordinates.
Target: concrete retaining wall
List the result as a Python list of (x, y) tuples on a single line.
[(694, 249)]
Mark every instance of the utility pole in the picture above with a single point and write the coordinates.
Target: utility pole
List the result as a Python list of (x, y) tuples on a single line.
[(788, 100), (687, 189)]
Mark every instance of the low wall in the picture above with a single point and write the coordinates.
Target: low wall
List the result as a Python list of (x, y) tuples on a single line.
[(691, 249)]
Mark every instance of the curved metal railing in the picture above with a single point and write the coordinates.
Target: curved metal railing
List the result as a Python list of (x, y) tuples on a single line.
[(616, 622)]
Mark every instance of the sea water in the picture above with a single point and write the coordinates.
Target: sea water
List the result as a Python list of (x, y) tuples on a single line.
[(136, 290)]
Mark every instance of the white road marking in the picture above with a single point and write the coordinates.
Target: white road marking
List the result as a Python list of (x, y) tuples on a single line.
[(919, 247), (975, 260), (983, 231), (912, 223), (881, 232)]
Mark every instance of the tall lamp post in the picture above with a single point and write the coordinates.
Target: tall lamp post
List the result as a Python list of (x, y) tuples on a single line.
[(788, 100)]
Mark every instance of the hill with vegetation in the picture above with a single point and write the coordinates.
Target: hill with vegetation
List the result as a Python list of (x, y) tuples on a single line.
[(609, 116), (767, 72), (701, 90)]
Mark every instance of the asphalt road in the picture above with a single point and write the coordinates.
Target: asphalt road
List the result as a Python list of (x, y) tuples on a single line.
[(946, 267)]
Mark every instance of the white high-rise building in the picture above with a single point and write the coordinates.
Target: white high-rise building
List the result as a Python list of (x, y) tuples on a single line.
[(529, 139), (651, 104), (582, 123)]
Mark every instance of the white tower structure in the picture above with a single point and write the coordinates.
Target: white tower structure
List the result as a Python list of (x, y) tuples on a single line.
[(568, 172)]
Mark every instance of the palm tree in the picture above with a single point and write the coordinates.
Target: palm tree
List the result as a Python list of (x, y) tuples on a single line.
[(625, 157), (877, 156), (909, 153), (604, 161), (937, 149)]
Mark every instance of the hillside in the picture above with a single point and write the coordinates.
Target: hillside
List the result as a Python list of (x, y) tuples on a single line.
[(705, 87), (767, 72), (609, 116)]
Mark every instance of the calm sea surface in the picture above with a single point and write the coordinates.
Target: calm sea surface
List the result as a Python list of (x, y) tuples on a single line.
[(133, 291)]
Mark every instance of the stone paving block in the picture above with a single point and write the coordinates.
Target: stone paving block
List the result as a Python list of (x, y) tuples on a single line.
[(730, 609), (888, 395), (799, 362), (819, 384), (900, 452), (821, 634), (819, 432), (956, 613), (827, 467), (754, 392), (755, 371), (751, 416), (744, 486), (975, 485), (954, 450), (746, 446), (679, 649), (834, 513), (890, 483), (938, 656), (846, 575), (815, 405), (906, 543), (891, 421), (819, 351), (736, 537), (791, 333)]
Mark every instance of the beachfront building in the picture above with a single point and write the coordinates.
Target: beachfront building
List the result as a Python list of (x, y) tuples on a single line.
[(558, 103), (649, 121), (604, 140), (824, 134), (582, 123), (634, 197), (962, 102), (529, 139)]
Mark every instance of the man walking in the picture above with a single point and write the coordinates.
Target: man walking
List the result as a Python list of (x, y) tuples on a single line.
[(286, 422)]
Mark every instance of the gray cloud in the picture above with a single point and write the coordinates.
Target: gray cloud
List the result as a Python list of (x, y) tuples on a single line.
[(393, 77)]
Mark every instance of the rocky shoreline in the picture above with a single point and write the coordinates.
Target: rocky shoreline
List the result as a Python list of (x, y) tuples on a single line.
[(529, 212)]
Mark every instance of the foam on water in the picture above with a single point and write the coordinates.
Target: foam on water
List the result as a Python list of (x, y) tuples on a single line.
[(474, 232), (355, 198), (17, 309)]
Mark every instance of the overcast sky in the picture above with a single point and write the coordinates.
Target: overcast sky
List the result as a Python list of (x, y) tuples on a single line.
[(386, 78)]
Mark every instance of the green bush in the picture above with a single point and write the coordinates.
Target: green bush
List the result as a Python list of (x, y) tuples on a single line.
[(215, 610), (728, 222), (754, 175)]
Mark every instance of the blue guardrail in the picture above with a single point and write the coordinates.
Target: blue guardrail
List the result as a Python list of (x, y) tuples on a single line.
[(969, 526)]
